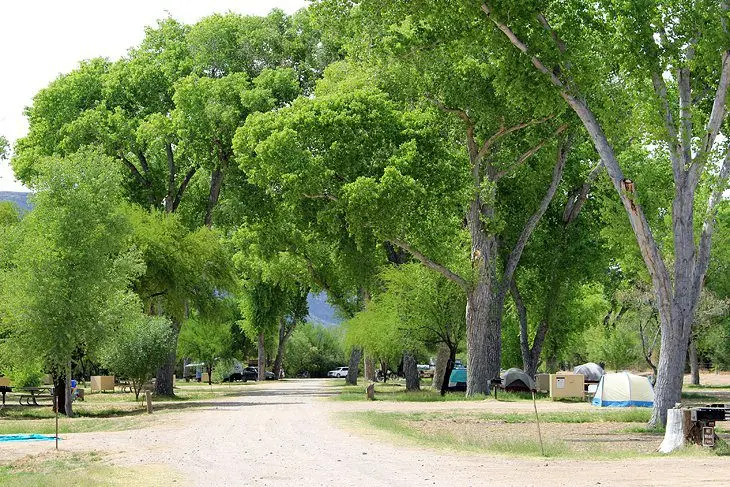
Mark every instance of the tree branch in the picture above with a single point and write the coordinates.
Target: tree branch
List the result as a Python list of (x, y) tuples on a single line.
[(320, 196), (522, 318), (578, 197), (649, 249), (135, 172), (516, 254), (717, 115), (142, 161), (506, 131), (183, 185), (660, 89), (529, 153), (708, 227), (443, 270)]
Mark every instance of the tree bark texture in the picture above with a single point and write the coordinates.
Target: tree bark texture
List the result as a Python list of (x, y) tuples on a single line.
[(441, 359), (694, 363), (410, 370), (216, 181), (354, 367), (164, 382), (67, 393), (262, 356), (369, 368)]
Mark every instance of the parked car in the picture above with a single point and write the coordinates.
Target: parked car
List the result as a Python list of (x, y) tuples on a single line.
[(338, 372), (251, 373), (426, 370)]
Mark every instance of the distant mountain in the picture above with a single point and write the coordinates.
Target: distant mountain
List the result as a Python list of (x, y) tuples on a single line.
[(320, 311), (20, 199)]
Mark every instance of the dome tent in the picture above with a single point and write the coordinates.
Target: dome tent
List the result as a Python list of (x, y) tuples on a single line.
[(515, 379), (624, 390), (592, 372)]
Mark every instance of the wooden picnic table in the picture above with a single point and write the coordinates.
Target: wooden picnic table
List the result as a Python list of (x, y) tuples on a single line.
[(32, 394), (4, 390)]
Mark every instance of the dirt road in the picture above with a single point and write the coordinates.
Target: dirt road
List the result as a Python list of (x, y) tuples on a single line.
[(285, 434)]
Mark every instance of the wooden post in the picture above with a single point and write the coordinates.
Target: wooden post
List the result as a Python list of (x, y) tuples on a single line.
[(537, 419), (55, 407), (148, 395)]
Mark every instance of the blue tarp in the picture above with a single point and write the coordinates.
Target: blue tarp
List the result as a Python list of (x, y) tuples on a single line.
[(25, 437)]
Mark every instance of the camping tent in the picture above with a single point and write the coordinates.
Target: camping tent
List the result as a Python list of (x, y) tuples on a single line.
[(624, 390), (515, 379), (592, 372)]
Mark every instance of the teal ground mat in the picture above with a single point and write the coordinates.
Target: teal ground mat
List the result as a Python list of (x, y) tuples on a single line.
[(25, 437)]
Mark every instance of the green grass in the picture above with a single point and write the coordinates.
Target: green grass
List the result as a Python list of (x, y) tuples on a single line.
[(705, 386), (393, 423), (78, 469), (401, 427), (396, 391)]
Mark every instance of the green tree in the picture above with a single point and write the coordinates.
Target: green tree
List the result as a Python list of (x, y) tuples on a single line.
[(206, 341), (313, 350), (136, 348), (673, 58), (71, 270)]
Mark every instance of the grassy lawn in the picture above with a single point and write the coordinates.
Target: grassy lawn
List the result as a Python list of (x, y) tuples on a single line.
[(396, 391), (600, 434), (115, 411), (79, 469)]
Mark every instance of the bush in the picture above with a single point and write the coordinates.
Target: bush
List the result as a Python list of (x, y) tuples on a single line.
[(137, 349)]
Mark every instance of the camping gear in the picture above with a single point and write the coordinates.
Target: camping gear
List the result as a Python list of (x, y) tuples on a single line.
[(515, 379), (624, 390), (592, 372), (457, 379), (566, 384), (4, 438), (542, 382)]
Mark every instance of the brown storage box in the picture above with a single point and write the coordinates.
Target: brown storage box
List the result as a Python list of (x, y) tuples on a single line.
[(566, 384), (4, 381), (204, 378), (542, 382), (102, 383)]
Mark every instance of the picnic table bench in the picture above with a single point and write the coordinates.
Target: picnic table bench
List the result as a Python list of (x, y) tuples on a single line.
[(29, 396)]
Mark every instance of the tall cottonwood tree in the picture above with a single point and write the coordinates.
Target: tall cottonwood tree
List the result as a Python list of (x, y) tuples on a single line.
[(674, 58), (168, 110)]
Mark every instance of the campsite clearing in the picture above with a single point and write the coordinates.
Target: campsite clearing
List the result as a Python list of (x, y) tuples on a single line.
[(283, 433)]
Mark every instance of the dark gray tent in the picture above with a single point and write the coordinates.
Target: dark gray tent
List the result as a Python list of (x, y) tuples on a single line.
[(515, 379), (592, 372)]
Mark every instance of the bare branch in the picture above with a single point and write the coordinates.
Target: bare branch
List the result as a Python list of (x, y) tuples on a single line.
[(578, 197), (456, 111), (660, 89), (506, 131), (523, 47), (708, 227), (516, 254), (718, 109), (441, 269), (529, 153), (325, 196), (183, 186)]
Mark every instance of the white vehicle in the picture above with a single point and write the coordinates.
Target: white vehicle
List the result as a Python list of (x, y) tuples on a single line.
[(338, 372)]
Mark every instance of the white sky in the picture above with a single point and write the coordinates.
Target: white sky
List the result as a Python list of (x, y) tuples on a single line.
[(44, 38)]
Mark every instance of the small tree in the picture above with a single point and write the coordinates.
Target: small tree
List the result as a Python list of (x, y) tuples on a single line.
[(206, 341), (137, 349)]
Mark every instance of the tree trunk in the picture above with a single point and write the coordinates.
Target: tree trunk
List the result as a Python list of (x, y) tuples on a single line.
[(369, 368), (441, 360), (210, 374), (164, 383), (447, 370), (354, 367), (67, 393), (262, 356), (410, 370), (478, 340), (216, 181), (59, 390), (284, 334), (694, 365), (672, 359)]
